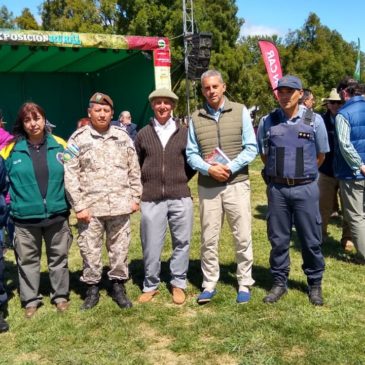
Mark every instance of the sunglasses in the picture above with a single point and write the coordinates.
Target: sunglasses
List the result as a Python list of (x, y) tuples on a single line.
[(334, 102)]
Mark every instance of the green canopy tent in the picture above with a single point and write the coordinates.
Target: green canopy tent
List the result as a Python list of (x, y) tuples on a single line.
[(60, 71)]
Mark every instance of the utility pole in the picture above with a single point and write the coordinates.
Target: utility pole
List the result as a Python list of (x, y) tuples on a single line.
[(188, 31)]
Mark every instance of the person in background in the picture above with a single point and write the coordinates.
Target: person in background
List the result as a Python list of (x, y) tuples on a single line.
[(349, 159), (39, 207), (224, 188), (307, 99), (125, 122), (328, 184), (4, 326), (166, 198), (292, 143), (83, 122), (6, 138), (103, 184)]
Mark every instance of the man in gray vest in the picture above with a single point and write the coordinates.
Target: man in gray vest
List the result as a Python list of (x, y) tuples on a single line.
[(221, 144)]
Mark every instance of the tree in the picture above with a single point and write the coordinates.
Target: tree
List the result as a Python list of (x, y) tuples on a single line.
[(73, 16), (6, 18), (314, 52), (320, 56), (26, 20)]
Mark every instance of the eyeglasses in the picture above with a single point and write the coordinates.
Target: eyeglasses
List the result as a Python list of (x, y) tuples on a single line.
[(334, 102)]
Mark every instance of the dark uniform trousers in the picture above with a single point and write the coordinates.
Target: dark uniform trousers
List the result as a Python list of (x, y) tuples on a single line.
[(298, 205), (3, 295)]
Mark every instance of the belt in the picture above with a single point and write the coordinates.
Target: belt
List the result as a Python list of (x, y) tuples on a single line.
[(290, 182)]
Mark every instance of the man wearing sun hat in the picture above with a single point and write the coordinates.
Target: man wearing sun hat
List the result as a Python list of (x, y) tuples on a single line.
[(292, 142), (328, 184), (102, 180), (166, 199)]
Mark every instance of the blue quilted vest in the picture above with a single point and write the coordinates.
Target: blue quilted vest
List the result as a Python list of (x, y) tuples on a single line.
[(354, 112), (291, 149)]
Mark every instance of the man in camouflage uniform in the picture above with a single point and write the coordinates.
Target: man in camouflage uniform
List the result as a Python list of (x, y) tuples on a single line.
[(102, 180)]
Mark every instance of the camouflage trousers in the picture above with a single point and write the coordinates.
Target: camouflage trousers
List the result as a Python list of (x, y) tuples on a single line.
[(90, 242)]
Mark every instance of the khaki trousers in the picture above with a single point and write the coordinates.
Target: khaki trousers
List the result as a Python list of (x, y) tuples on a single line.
[(233, 201)]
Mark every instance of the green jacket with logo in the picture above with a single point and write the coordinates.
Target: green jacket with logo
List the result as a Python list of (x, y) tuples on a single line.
[(26, 198)]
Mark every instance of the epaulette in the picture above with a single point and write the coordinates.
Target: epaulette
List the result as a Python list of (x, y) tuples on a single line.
[(308, 117), (116, 126), (79, 131)]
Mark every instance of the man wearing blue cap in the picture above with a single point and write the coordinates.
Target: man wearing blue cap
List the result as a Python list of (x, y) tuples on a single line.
[(292, 141)]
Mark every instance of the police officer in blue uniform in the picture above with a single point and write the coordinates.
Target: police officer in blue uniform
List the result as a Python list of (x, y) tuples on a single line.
[(292, 142)]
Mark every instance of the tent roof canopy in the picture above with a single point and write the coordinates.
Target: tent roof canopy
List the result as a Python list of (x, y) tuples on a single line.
[(23, 58), (42, 51)]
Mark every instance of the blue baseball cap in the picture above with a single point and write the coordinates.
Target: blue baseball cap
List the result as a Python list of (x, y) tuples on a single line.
[(290, 81)]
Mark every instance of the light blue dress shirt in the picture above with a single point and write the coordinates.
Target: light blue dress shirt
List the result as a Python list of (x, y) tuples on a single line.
[(249, 145)]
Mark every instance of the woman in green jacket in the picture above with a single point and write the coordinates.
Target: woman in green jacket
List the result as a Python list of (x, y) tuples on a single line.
[(38, 207)]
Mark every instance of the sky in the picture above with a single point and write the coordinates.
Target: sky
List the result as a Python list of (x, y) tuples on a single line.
[(267, 17)]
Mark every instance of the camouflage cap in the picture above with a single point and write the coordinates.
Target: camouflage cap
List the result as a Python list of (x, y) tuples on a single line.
[(100, 98), (163, 93)]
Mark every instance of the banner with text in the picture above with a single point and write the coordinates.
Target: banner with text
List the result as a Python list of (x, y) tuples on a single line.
[(271, 58)]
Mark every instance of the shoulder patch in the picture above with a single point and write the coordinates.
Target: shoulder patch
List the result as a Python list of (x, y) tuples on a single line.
[(71, 151)]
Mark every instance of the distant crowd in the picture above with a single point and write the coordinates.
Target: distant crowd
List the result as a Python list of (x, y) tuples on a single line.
[(108, 170)]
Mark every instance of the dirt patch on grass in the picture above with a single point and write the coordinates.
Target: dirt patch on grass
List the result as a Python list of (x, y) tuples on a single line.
[(295, 353), (30, 358), (158, 352)]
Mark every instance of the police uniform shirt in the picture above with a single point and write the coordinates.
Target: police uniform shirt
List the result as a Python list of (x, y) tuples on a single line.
[(320, 133)]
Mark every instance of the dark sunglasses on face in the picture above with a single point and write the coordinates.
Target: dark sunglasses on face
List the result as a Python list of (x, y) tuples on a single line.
[(334, 102)]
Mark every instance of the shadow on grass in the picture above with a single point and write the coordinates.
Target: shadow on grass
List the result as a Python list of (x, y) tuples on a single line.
[(77, 287), (331, 248), (260, 274), (11, 277), (260, 212)]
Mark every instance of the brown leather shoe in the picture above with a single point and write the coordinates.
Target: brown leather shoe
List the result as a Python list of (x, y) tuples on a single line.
[(147, 296), (30, 311), (62, 306), (178, 295)]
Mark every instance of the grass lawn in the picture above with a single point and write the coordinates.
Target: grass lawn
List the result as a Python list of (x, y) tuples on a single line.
[(291, 331)]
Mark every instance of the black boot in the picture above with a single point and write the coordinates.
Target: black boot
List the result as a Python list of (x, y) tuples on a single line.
[(92, 297), (119, 295), (4, 327), (315, 294), (275, 293)]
